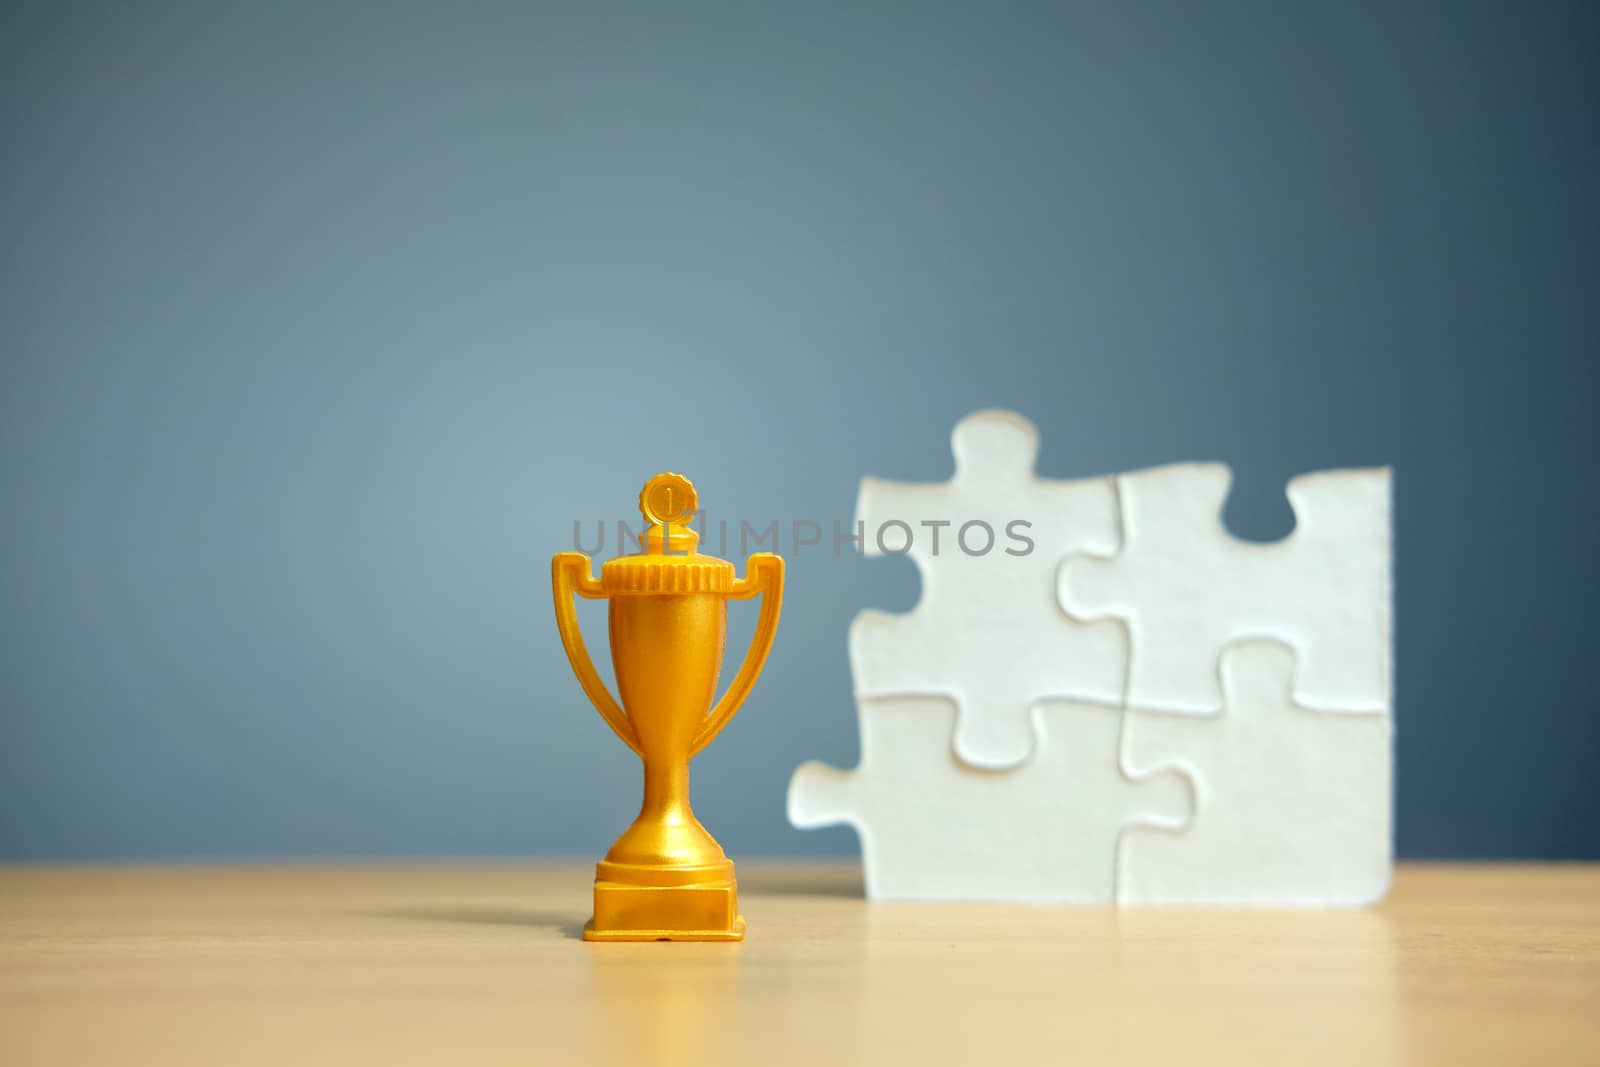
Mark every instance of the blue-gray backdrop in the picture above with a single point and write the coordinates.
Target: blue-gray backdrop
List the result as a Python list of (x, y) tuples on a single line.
[(322, 322)]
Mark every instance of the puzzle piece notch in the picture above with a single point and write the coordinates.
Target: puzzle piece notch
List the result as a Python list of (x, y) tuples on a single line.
[(1185, 587), (933, 828), (1292, 806), (988, 631)]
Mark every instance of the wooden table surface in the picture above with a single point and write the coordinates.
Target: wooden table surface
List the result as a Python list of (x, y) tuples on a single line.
[(309, 965)]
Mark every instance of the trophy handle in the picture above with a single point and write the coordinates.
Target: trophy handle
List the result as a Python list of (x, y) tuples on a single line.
[(569, 574), (763, 574)]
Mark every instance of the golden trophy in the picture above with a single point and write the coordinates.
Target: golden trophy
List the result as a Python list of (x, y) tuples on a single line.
[(666, 878)]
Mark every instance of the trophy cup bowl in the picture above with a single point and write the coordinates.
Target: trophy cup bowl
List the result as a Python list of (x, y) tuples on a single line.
[(666, 878)]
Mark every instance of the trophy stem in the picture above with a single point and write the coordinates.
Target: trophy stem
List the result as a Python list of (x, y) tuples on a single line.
[(666, 833), (666, 792)]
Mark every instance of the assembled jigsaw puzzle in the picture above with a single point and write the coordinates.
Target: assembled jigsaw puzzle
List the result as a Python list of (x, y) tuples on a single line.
[(1139, 708)]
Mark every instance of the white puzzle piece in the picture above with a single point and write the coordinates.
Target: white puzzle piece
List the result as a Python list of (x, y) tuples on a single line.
[(988, 631), (932, 828), (1185, 587), (1292, 807)]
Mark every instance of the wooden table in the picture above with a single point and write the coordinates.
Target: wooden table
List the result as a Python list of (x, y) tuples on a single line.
[(483, 964)]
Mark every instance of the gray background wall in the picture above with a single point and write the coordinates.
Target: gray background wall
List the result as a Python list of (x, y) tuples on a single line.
[(321, 323)]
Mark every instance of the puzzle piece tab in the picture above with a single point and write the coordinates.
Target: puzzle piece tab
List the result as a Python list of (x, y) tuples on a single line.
[(1185, 587), (988, 632), (1292, 807), (933, 828)]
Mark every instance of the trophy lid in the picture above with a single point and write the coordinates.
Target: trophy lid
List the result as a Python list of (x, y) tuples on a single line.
[(670, 563)]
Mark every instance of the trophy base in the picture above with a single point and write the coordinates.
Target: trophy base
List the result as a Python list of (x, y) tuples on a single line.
[(734, 934), (630, 912)]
